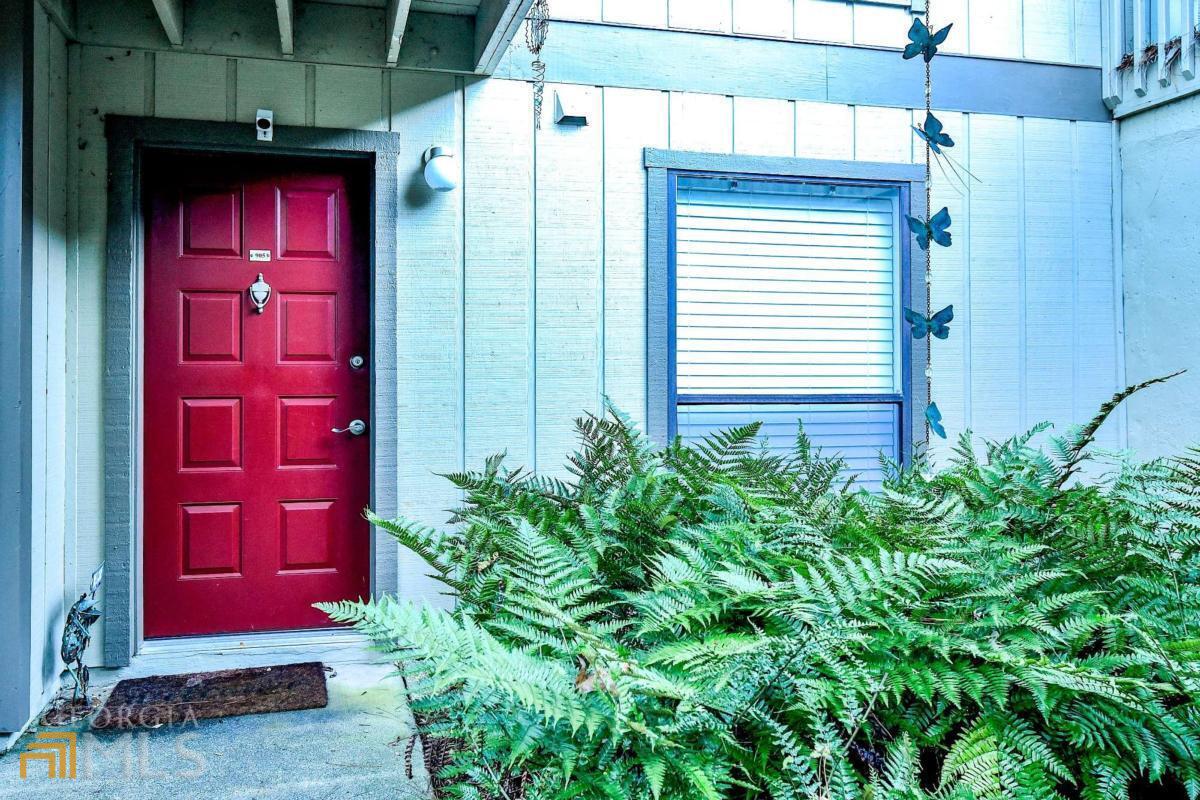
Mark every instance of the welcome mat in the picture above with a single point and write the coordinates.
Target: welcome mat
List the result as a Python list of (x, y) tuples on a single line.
[(173, 699)]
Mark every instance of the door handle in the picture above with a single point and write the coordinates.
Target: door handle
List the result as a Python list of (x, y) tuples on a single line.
[(356, 428)]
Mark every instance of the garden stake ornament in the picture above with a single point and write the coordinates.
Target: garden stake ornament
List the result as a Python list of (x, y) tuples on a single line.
[(935, 229), (77, 635), (537, 25)]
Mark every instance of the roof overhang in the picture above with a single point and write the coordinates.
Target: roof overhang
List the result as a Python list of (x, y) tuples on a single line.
[(476, 37)]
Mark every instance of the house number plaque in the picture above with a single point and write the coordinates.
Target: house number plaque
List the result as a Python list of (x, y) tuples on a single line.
[(260, 255)]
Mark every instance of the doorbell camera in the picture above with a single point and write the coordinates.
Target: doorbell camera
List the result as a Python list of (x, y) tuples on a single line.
[(264, 124)]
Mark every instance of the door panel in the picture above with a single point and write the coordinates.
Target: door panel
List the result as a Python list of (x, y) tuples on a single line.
[(252, 504)]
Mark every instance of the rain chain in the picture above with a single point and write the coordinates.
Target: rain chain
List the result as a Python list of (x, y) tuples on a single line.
[(537, 25), (923, 41)]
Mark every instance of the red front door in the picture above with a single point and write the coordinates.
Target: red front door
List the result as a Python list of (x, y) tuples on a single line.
[(253, 505)]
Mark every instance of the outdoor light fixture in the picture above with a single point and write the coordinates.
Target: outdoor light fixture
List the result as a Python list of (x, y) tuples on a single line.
[(441, 173), (568, 112)]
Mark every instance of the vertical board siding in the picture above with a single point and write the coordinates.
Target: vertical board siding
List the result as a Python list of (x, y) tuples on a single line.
[(701, 15), (633, 119), (1088, 32), (823, 21), (500, 325), (350, 97), (570, 259), (885, 26), (1063, 31), (429, 316), (1049, 270), (189, 86), (824, 130), (997, 271), (764, 127), (277, 85), (649, 13), (957, 12), (701, 122), (583, 10), (773, 18), (1047, 30), (49, 479), (112, 81), (883, 134), (996, 28), (1098, 318), (520, 298)]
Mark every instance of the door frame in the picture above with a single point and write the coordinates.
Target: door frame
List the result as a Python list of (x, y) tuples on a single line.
[(128, 139)]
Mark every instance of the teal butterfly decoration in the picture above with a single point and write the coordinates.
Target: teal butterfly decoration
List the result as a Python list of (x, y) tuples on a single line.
[(933, 134), (936, 229), (938, 325), (934, 417), (923, 42)]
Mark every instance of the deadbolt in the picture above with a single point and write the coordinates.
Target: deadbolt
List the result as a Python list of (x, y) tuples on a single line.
[(357, 362)]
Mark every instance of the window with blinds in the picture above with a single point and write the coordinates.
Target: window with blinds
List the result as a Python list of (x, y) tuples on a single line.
[(787, 309)]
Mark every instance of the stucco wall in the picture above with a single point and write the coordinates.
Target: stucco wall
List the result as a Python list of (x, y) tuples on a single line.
[(1160, 157)]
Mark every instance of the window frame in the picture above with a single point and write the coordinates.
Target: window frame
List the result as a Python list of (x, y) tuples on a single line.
[(663, 170)]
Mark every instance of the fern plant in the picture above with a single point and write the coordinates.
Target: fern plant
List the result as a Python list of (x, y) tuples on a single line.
[(715, 621)]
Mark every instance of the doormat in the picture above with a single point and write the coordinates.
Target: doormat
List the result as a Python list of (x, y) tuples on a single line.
[(174, 699)]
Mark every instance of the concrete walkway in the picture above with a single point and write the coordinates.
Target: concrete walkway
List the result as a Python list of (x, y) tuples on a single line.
[(354, 748)]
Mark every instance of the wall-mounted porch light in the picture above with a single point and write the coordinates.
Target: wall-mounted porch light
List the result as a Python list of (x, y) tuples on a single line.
[(441, 173)]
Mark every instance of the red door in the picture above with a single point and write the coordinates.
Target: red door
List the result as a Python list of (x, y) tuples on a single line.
[(252, 503)]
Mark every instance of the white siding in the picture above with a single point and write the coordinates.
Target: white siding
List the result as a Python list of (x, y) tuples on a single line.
[(521, 297), (429, 275), (569, 286), (51, 483), (1063, 31), (500, 371)]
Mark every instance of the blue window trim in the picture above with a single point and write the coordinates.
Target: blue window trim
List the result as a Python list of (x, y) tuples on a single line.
[(664, 167)]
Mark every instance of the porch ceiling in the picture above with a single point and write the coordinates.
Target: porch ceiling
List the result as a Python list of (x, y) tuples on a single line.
[(475, 32), (466, 8)]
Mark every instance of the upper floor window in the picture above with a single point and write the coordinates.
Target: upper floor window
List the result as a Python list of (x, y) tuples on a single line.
[(785, 304)]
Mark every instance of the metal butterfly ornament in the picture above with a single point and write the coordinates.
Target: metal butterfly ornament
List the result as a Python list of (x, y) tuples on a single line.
[(933, 134), (938, 325), (922, 41), (934, 417), (937, 229)]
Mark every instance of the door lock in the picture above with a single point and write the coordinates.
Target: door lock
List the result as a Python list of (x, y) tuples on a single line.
[(356, 428), (357, 362)]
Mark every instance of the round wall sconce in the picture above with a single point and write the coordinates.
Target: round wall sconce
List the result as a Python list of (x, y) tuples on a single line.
[(441, 173)]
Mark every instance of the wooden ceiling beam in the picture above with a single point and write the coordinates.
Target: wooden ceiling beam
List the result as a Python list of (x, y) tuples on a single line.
[(395, 22), (496, 23), (285, 12), (170, 14)]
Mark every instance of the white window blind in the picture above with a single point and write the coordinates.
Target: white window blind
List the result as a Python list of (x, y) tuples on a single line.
[(787, 292)]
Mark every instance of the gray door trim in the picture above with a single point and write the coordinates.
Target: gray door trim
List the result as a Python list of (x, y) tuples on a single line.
[(128, 139)]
